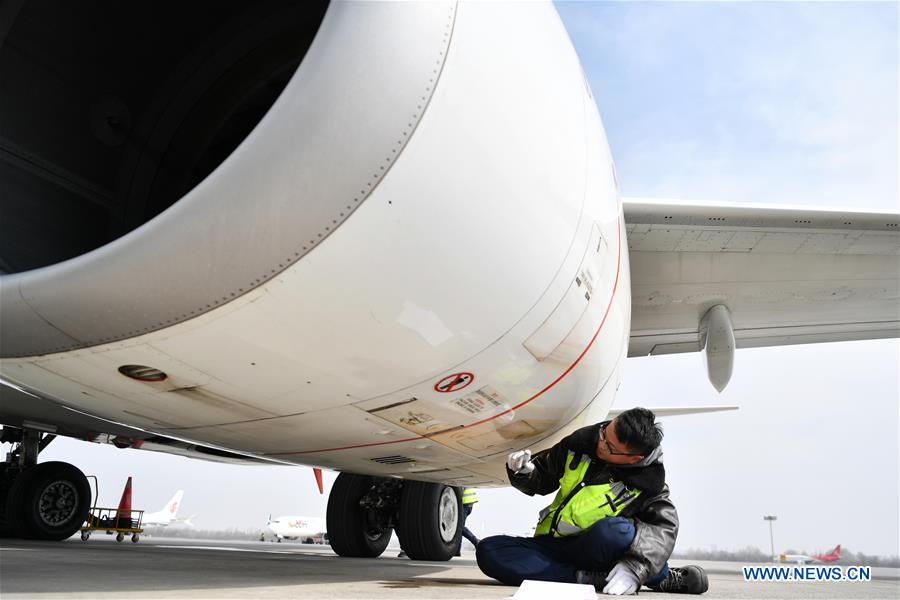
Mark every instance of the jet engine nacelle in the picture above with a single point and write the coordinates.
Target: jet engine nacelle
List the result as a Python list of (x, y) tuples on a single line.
[(382, 238)]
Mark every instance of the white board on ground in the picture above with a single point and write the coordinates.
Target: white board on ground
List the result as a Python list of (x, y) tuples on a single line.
[(541, 590)]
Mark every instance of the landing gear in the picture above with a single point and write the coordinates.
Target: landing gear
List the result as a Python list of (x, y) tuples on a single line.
[(47, 501), (430, 526), (360, 514), (364, 510)]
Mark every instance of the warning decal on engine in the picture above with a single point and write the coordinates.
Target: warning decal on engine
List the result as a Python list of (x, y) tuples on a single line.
[(427, 417), (479, 401)]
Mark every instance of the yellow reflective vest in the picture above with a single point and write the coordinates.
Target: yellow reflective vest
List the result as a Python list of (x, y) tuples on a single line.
[(578, 505), (469, 496)]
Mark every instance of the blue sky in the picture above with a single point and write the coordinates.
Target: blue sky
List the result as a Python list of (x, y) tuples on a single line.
[(787, 102), (723, 102)]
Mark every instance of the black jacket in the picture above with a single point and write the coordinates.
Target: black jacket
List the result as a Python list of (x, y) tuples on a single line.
[(653, 514)]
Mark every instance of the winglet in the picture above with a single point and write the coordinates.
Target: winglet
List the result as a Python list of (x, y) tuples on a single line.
[(318, 473)]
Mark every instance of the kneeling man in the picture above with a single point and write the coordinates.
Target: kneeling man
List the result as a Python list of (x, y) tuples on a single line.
[(611, 524)]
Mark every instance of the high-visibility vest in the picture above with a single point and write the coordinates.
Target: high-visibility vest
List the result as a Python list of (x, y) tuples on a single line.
[(469, 496), (578, 505)]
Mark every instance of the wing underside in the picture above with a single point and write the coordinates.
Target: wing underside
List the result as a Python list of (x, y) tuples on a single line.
[(785, 275)]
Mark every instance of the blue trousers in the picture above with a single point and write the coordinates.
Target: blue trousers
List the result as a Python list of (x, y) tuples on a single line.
[(511, 560), (467, 510)]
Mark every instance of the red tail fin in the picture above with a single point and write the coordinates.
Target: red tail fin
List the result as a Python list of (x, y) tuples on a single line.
[(318, 473)]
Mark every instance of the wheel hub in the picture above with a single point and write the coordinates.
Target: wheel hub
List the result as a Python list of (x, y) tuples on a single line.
[(58, 503), (448, 514)]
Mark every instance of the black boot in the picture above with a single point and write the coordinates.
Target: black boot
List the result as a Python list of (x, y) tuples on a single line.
[(683, 580)]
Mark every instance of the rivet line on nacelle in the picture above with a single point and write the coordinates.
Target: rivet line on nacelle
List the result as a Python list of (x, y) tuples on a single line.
[(405, 134)]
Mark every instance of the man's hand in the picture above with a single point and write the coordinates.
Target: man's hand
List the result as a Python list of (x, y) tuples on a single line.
[(621, 581), (520, 462)]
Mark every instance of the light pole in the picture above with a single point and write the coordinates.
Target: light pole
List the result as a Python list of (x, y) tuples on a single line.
[(771, 518)]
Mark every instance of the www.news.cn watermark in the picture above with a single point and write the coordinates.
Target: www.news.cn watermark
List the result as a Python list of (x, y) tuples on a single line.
[(811, 573)]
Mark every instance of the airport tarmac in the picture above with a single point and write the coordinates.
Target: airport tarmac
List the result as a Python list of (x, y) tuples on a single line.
[(181, 568)]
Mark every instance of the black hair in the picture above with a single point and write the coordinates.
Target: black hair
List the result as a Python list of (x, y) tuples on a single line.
[(637, 428)]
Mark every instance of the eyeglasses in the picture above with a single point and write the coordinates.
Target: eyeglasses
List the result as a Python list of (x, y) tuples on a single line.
[(609, 448)]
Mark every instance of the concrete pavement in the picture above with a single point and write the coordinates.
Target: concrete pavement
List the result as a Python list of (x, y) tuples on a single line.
[(180, 568)]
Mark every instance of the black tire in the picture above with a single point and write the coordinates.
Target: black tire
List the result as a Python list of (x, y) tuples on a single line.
[(49, 501), (6, 482), (346, 521), (428, 527), (15, 506)]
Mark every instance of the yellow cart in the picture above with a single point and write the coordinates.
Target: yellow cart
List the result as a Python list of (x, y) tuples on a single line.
[(111, 520)]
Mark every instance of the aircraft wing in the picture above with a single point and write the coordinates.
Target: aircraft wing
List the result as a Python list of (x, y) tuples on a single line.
[(786, 275), (673, 411)]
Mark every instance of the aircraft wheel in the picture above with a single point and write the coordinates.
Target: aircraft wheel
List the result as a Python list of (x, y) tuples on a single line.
[(49, 501), (5, 485), (352, 530), (15, 506), (430, 523)]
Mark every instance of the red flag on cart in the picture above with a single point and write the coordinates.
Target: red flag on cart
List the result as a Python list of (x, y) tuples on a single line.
[(318, 473), (123, 515)]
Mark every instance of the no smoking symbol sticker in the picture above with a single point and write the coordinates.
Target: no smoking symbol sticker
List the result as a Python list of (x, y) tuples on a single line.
[(453, 383)]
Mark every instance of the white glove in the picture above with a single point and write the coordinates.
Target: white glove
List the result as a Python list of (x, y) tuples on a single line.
[(520, 462), (621, 581)]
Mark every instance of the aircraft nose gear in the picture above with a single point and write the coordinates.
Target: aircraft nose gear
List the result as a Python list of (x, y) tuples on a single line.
[(58, 503)]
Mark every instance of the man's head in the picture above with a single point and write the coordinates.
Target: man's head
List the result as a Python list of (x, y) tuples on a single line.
[(629, 437)]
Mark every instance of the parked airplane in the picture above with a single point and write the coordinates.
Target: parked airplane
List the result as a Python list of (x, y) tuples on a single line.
[(167, 515), (381, 238), (801, 559), (310, 530)]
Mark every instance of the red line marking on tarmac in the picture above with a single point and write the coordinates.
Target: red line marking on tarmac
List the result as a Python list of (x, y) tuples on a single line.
[(520, 404)]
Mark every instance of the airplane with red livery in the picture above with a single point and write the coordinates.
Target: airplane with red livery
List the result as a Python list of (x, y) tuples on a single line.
[(831, 557)]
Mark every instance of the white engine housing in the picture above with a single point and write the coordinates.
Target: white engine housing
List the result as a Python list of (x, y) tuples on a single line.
[(432, 194)]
